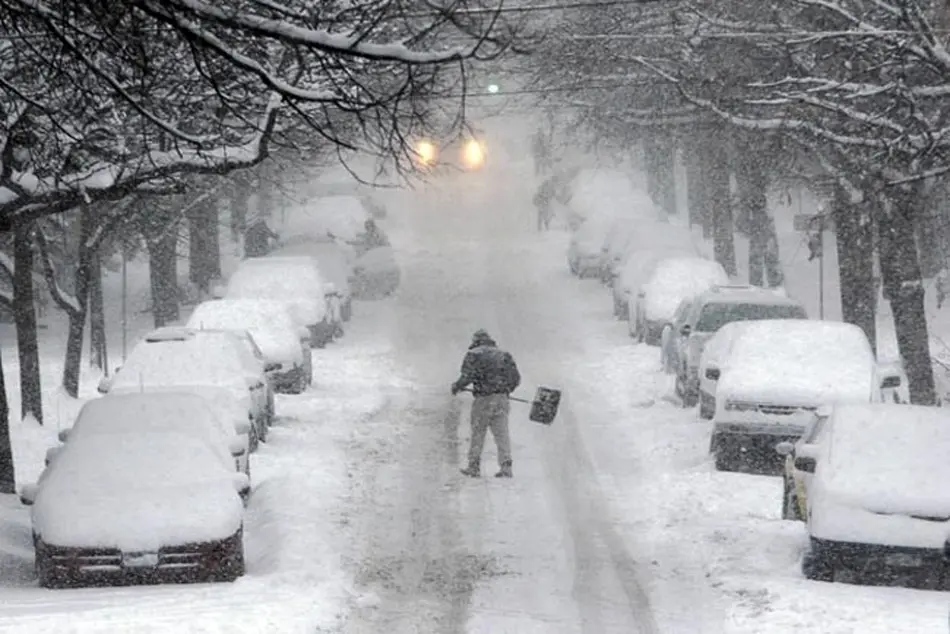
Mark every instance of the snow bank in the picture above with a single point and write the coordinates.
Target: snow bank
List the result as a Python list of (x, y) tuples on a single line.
[(136, 492)]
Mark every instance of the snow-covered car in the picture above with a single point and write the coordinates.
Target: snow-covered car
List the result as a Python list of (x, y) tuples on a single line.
[(647, 235), (635, 269), (671, 281), (606, 193), (621, 233), (795, 481), (296, 283), (878, 499), (586, 248), (376, 274), (335, 261), (134, 507), (192, 358), (777, 374), (707, 313), (284, 344), (715, 353), (172, 411)]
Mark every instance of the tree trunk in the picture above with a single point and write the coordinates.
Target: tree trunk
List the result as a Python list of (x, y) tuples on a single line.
[(98, 346), (900, 269), (163, 275), (240, 192), (660, 164), (204, 253), (7, 472), (715, 165), (24, 313), (77, 314), (752, 183), (854, 237), (697, 200)]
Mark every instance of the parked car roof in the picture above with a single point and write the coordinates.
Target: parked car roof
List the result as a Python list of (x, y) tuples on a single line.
[(676, 278), (270, 323)]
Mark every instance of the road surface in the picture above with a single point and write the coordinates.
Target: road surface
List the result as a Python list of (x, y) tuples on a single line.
[(437, 552)]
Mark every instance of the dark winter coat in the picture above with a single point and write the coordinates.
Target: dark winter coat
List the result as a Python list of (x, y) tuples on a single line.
[(489, 370)]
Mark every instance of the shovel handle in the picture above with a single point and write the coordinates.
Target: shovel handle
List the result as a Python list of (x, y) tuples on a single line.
[(510, 397)]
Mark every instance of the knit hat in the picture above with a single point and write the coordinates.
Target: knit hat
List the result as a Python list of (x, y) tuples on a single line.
[(481, 338)]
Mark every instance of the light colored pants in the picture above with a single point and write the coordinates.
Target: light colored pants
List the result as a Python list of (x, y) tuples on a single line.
[(490, 412)]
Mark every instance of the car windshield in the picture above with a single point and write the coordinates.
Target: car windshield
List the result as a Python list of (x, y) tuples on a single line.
[(715, 315)]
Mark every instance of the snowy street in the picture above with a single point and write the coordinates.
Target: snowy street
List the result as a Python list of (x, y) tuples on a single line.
[(360, 521)]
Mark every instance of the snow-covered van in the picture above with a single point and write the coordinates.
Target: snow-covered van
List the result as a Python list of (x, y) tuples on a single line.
[(778, 373)]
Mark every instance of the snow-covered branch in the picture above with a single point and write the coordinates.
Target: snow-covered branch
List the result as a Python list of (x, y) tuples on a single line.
[(65, 300)]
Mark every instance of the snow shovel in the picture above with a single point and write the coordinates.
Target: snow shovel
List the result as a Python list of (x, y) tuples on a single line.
[(543, 407)]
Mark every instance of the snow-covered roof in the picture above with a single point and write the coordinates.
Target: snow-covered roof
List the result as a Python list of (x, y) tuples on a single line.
[(677, 278), (202, 361), (662, 236), (170, 410), (890, 458), (800, 362), (265, 278), (136, 492), (269, 323)]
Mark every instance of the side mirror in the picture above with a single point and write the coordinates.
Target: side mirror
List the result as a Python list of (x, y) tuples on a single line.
[(713, 374), (105, 384), (63, 435), (28, 494), (51, 454), (242, 427), (238, 446), (784, 448), (242, 484), (272, 367), (805, 464), (890, 382), (685, 330)]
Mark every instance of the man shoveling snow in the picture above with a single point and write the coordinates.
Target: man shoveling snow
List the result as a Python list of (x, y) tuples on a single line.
[(493, 375)]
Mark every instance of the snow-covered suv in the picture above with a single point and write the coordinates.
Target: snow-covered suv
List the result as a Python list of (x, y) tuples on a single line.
[(709, 312), (777, 374)]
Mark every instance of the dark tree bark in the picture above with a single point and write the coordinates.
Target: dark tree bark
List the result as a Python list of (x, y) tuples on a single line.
[(716, 172), (854, 237), (240, 191), (163, 275), (24, 314), (697, 200), (204, 251), (7, 471), (98, 346), (900, 269), (659, 153), (752, 180)]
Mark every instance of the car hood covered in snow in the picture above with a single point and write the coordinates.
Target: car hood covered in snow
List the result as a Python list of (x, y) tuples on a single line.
[(136, 492)]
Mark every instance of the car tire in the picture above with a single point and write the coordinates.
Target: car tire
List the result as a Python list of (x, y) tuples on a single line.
[(261, 430), (816, 568), (689, 394), (253, 441), (346, 310), (707, 407), (789, 501)]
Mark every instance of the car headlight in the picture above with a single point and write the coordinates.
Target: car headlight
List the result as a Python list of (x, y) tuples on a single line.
[(739, 406), (426, 152), (473, 154)]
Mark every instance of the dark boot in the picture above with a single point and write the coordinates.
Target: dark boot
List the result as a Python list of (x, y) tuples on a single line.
[(473, 470), (505, 471)]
